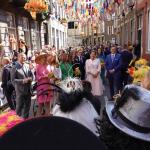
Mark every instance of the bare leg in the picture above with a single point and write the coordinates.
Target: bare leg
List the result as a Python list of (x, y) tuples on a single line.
[(47, 107), (40, 108)]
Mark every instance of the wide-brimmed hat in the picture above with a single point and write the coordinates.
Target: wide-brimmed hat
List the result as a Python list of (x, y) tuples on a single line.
[(50, 133), (131, 112), (40, 57)]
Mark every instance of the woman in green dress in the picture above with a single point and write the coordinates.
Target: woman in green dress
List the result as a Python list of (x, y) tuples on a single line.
[(66, 66)]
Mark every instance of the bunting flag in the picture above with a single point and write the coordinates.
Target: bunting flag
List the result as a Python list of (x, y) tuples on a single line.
[(85, 9)]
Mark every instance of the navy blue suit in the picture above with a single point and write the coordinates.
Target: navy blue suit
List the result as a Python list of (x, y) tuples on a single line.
[(114, 78)]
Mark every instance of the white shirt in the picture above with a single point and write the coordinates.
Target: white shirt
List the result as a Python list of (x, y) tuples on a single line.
[(83, 114), (112, 57)]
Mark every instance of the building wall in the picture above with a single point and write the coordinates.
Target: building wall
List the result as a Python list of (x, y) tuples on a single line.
[(57, 30), (21, 26), (133, 24), (143, 8), (58, 34)]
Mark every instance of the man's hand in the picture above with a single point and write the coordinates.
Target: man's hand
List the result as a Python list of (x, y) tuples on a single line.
[(27, 80), (112, 71)]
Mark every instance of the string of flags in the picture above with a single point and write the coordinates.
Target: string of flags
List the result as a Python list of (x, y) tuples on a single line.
[(85, 9)]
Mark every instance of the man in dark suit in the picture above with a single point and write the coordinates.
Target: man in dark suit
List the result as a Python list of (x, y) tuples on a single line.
[(126, 57), (21, 78), (6, 82), (113, 67), (80, 63)]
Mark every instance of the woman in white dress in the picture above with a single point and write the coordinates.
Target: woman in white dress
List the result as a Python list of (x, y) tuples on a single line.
[(93, 69)]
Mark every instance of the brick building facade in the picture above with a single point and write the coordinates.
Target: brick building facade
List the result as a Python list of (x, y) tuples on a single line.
[(143, 26)]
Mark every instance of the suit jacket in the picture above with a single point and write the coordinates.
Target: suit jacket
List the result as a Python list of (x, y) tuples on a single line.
[(5, 75), (126, 58), (6, 79), (115, 64), (18, 74), (81, 65)]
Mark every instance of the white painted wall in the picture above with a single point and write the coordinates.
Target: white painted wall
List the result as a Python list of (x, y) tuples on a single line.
[(55, 25)]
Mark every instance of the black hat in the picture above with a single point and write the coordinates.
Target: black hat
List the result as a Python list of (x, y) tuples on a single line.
[(54, 133)]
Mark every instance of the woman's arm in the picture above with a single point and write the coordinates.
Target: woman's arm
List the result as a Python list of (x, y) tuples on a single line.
[(87, 69)]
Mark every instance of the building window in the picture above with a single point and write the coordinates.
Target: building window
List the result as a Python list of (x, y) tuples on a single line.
[(139, 24), (35, 34), (53, 36), (10, 20), (110, 30), (132, 30), (57, 38), (2, 16), (148, 31)]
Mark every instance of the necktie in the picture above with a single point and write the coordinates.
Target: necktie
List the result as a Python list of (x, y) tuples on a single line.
[(79, 58), (112, 57), (24, 70)]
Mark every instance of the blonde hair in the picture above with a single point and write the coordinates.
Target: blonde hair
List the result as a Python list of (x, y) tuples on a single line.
[(146, 81), (5, 58)]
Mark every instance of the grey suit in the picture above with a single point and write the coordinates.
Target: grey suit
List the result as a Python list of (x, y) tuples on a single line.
[(23, 96)]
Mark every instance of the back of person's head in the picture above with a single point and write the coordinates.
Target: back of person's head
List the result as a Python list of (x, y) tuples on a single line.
[(130, 48), (71, 95), (5, 60), (50, 133), (87, 87), (125, 46)]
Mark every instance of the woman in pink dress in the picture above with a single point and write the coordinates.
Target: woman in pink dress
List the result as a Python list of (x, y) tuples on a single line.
[(42, 73), (93, 69)]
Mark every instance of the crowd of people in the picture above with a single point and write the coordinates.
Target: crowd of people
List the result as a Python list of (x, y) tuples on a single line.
[(96, 65), (79, 75)]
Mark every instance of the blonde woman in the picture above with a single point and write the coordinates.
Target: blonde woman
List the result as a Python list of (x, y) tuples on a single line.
[(42, 76), (146, 81)]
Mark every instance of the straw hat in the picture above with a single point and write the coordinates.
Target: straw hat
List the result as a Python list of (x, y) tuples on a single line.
[(40, 57)]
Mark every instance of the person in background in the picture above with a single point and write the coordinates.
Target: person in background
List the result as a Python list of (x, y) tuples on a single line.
[(7, 86), (23, 47), (79, 62), (113, 67), (87, 92), (146, 81), (15, 58), (66, 66), (21, 77), (102, 57), (126, 57), (53, 62), (93, 70), (13, 43), (73, 105), (32, 66), (137, 50)]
